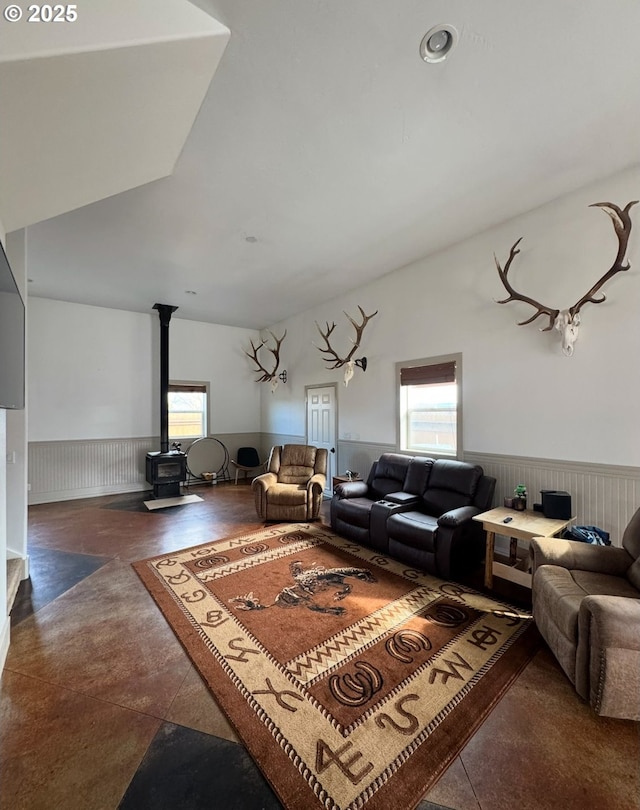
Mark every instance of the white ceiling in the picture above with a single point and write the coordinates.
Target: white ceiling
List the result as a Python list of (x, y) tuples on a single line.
[(95, 106), (325, 137)]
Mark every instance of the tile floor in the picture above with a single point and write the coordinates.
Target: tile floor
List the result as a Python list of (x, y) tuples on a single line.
[(100, 708)]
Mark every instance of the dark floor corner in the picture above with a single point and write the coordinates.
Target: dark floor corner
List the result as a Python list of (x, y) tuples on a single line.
[(185, 769), (51, 574), (101, 708)]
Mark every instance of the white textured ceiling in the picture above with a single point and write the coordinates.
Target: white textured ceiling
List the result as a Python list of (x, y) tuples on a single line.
[(327, 138)]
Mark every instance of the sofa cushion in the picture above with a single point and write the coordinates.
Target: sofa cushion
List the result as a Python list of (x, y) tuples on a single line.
[(565, 589), (418, 558), (597, 584), (418, 475), (287, 494), (414, 529), (297, 464), (451, 484), (388, 474), (355, 511)]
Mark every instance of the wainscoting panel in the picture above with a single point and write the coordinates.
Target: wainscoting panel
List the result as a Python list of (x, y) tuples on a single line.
[(601, 495), (62, 471)]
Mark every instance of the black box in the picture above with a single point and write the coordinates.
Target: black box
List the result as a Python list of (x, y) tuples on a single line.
[(556, 504)]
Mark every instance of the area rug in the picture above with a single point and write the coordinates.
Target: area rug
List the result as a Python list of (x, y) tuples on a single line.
[(353, 680)]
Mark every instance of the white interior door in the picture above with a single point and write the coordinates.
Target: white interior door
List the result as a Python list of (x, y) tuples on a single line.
[(322, 426)]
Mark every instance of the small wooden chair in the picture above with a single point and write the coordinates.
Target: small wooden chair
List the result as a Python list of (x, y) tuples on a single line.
[(247, 461)]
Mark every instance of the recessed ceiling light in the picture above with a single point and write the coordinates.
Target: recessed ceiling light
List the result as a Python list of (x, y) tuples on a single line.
[(438, 43), (191, 292)]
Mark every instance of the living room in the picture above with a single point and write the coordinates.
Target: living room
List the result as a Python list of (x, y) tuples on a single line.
[(526, 407), (529, 413)]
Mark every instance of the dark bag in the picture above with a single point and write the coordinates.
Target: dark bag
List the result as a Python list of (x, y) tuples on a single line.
[(588, 534)]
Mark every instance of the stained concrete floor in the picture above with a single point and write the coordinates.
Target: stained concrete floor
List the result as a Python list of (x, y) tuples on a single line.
[(100, 708)]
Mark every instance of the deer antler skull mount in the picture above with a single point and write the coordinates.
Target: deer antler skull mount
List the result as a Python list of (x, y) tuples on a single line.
[(349, 362), (265, 374), (567, 321)]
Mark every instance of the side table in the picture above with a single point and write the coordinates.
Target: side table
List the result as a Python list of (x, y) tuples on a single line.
[(342, 479), (523, 526)]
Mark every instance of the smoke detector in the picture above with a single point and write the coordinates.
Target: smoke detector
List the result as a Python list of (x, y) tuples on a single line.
[(438, 43)]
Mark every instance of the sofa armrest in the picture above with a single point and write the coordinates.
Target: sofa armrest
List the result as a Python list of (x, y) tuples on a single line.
[(402, 498), (456, 517), (573, 554), (617, 619), (608, 655), (351, 489), (317, 481), (264, 481)]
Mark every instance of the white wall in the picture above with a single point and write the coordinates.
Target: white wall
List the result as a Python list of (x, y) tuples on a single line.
[(521, 395), (4, 619), (214, 353), (16, 449), (94, 372)]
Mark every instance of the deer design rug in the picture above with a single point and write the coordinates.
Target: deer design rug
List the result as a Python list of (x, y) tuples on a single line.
[(352, 679)]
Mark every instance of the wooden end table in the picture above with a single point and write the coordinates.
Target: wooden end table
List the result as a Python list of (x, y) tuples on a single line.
[(523, 526), (342, 479)]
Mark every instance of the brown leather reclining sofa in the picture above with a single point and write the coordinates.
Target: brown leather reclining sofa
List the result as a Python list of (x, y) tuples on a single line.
[(417, 510)]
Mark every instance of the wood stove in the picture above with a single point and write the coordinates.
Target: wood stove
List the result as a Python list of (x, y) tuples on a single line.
[(165, 469)]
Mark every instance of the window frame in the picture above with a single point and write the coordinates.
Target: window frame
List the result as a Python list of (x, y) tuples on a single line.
[(456, 358), (203, 384)]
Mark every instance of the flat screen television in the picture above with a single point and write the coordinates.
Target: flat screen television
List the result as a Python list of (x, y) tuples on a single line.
[(11, 338)]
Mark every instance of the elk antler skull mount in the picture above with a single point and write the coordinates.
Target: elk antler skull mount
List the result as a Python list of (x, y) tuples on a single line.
[(567, 321), (349, 362), (265, 374)]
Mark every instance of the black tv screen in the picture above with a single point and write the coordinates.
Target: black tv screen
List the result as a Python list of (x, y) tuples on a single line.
[(11, 338)]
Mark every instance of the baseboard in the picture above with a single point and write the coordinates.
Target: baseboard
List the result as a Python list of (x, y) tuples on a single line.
[(24, 562), (86, 492)]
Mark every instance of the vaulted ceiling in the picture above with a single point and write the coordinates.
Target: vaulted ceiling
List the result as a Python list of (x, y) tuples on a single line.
[(327, 152)]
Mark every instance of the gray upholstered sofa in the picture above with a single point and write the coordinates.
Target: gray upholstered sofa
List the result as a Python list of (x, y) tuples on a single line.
[(586, 604), (418, 510)]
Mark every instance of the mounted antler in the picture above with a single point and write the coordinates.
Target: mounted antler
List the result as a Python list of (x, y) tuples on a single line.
[(516, 296), (269, 376), (622, 226), (567, 321), (334, 358)]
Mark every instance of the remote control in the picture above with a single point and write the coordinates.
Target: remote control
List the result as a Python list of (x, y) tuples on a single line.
[(507, 520)]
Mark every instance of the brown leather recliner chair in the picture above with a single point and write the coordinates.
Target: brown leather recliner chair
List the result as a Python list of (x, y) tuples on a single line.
[(292, 487), (586, 604)]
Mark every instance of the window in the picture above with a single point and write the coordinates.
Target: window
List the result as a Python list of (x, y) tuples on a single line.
[(187, 410), (430, 411)]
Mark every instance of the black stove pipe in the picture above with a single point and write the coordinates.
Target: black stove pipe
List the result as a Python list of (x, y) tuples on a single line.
[(165, 311)]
